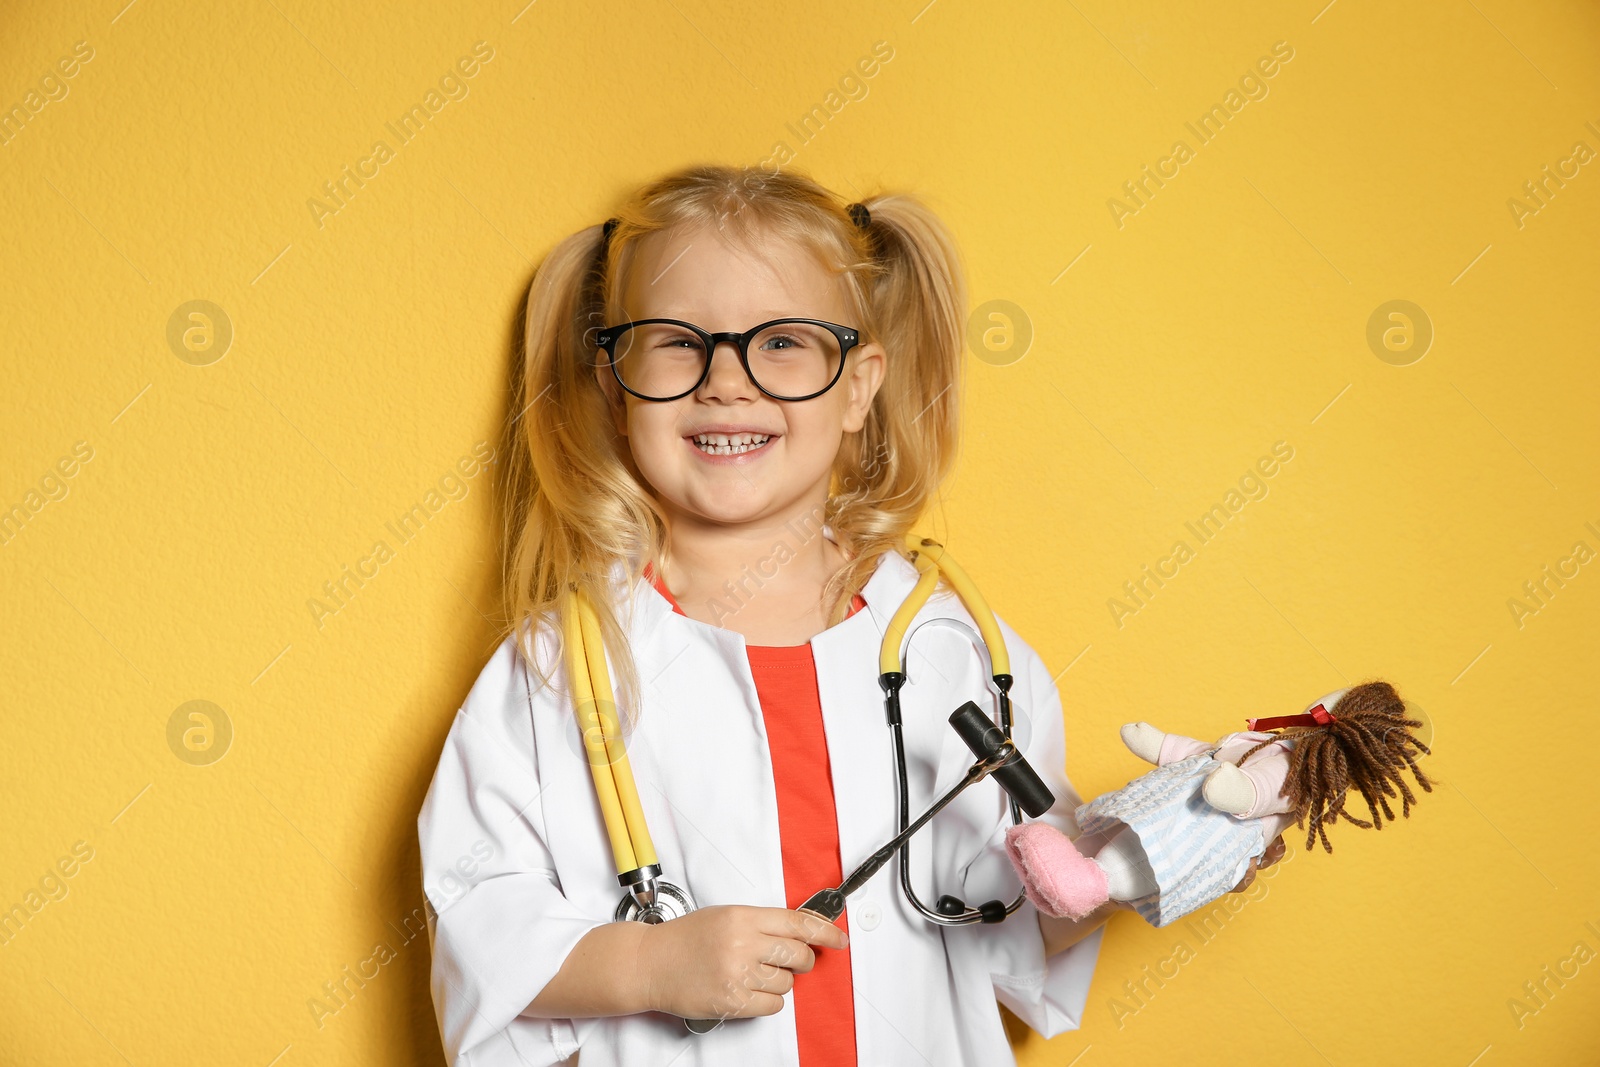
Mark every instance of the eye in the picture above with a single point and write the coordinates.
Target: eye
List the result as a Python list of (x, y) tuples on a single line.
[(679, 340)]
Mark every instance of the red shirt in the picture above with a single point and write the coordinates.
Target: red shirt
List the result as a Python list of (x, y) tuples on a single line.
[(786, 683)]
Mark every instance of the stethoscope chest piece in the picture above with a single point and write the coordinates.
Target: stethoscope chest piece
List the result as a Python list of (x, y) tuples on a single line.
[(670, 903), (652, 899)]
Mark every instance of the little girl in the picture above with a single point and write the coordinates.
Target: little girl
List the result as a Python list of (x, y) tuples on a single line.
[(734, 503)]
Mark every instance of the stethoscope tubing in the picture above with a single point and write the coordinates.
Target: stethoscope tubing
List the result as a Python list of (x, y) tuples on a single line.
[(932, 561), (595, 705)]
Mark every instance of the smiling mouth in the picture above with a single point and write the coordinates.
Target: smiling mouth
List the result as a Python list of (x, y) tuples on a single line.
[(729, 444)]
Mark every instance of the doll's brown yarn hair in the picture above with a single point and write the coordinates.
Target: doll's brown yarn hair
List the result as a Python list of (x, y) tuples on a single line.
[(1367, 746)]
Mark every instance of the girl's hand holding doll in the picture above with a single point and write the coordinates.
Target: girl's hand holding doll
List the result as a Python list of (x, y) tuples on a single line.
[(1272, 855)]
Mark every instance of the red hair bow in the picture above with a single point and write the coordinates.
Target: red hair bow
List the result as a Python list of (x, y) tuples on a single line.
[(1317, 716)]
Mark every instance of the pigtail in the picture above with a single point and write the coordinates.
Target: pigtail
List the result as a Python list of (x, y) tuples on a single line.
[(887, 474), (572, 508)]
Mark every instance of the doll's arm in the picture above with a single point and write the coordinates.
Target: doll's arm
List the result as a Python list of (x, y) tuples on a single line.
[(1252, 789), (1155, 746)]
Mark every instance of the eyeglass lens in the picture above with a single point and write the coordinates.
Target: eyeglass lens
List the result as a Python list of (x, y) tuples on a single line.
[(787, 358)]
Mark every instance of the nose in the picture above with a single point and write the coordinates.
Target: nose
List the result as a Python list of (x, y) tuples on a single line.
[(727, 379)]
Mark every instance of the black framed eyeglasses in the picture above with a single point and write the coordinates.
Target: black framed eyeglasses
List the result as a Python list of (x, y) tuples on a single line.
[(667, 359)]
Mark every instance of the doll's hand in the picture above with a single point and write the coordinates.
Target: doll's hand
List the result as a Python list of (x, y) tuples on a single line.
[(1272, 855), (1143, 740), (1159, 747)]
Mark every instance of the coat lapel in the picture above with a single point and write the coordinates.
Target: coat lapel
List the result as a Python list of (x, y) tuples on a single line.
[(701, 759)]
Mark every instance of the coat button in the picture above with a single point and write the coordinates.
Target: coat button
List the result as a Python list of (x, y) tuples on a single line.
[(869, 915)]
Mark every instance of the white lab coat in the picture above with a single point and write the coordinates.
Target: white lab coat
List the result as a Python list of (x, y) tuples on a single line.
[(517, 866)]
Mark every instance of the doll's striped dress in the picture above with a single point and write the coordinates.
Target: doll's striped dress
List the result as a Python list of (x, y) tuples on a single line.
[(1196, 852)]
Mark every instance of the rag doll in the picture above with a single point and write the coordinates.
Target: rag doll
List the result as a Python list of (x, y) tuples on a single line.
[(1189, 828)]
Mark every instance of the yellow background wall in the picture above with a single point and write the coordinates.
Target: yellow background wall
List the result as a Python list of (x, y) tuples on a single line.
[(1171, 347)]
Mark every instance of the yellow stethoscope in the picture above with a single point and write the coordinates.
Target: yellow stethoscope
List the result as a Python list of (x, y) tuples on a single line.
[(650, 898)]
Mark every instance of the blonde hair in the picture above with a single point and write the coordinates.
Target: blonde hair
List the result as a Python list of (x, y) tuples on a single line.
[(575, 504)]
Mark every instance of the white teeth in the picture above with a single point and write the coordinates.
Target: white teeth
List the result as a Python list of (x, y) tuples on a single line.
[(722, 444)]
